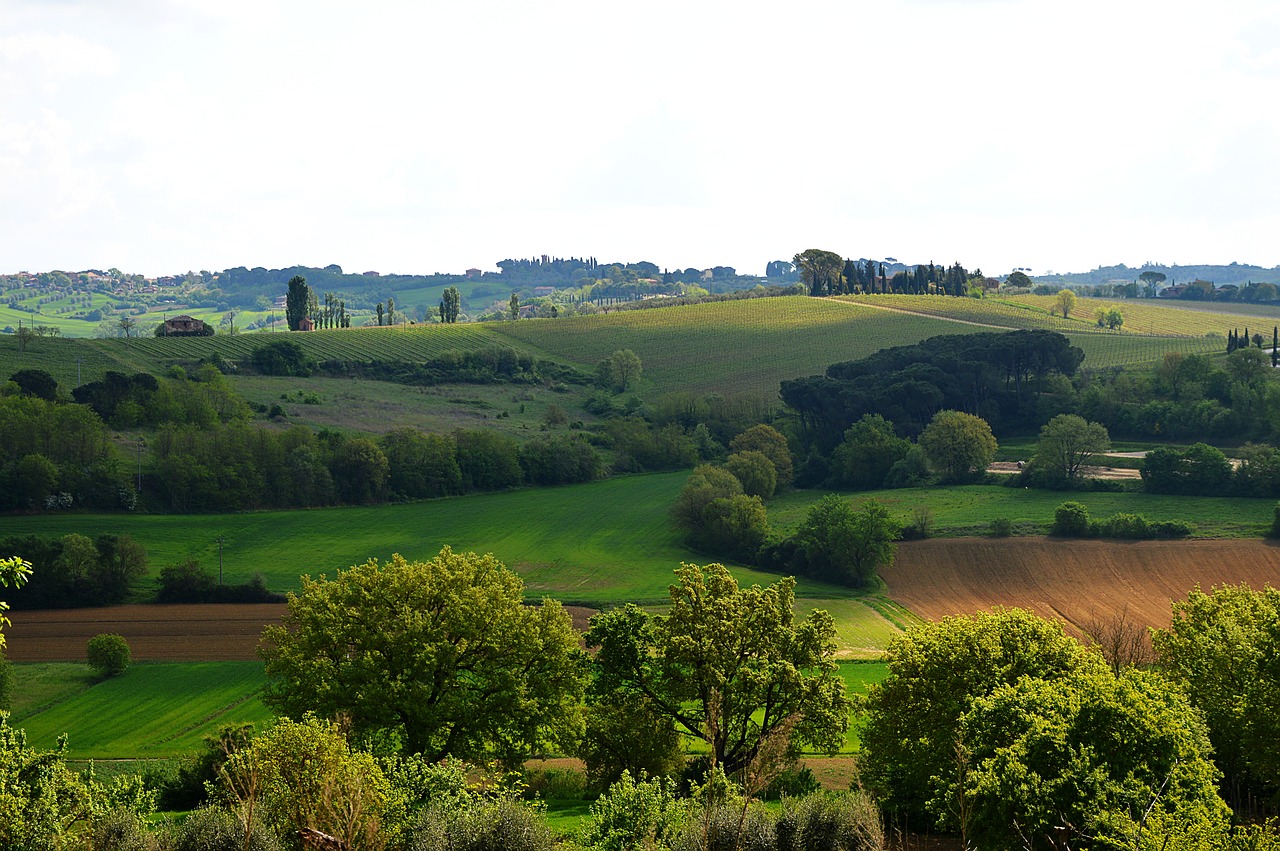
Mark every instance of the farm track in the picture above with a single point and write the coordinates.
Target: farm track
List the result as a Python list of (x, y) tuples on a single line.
[(177, 633), (1073, 581)]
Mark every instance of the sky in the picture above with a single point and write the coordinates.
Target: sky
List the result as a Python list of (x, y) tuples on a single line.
[(160, 136)]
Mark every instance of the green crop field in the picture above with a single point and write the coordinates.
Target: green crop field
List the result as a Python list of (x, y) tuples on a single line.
[(61, 357), (599, 543), (1164, 318), (734, 346), (969, 509), (151, 710), (993, 312), (1131, 350)]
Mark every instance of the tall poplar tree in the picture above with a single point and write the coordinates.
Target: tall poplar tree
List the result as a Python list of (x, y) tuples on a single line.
[(296, 301)]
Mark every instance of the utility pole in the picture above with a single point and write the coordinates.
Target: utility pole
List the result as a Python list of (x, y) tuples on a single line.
[(142, 441), (219, 540)]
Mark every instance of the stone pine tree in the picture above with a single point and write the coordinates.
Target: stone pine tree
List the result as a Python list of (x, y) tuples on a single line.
[(296, 301), (821, 270)]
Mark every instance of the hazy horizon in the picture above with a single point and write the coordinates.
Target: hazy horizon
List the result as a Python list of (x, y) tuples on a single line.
[(165, 135)]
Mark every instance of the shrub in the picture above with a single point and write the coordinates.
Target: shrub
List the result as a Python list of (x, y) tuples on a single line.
[(500, 825), (1274, 532), (1071, 520), (792, 783), (108, 654), (1124, 525), (217, 830), (1171, 529), (920, 526), (1001, 527), (635, 814), (122, 830), (728, 827), (556, 783), (836, 821)]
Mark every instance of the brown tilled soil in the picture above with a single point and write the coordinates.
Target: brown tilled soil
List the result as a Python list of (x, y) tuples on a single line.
[(183, 633), (1074, 581), (180, 633)]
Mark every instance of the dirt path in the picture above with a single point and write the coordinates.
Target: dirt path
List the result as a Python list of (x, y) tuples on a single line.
[(923, 314)]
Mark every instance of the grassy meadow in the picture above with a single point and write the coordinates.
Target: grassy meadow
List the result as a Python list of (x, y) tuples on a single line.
[(152, 710), (376, 407), (969, 509), (600, 543)]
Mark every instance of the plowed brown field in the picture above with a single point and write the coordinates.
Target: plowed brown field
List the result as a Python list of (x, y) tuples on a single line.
[(1073, 581), (187, 633)]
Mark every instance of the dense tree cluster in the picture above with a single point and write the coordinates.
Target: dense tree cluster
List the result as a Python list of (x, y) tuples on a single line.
[(999, 377), (49, 449), (238, 465), (75, 571)]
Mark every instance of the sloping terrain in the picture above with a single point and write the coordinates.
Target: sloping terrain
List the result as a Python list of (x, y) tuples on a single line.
[(1074, 581)]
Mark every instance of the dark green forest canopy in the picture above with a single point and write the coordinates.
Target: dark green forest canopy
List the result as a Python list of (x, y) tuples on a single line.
[(997, 376)]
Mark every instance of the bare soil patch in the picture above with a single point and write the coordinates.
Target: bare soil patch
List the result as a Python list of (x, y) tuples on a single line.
[(180, 633), (1073, 581)]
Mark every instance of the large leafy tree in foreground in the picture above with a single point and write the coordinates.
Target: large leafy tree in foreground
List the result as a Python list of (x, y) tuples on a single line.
[(728, 665), (441, 654), (936, 671), (1090, 760), (1224, 648), (1002, 727)]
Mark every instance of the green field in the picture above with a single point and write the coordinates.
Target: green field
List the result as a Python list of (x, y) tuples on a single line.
[(749, 345), (375, 407), (151, 710), (732, 346), (162, 710), (969, 509), (599, 543)]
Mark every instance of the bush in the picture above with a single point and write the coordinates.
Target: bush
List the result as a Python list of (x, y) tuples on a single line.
[(728, 827), (837, 821), (1171, 529), (1124, 525), (122, 830), (635, 814), (792, 783), (501, 825), (920, 526), (108, 654), (217, 830), (1001, 527), (1274, 532), (556, 783), (1071, 520), (282, 357)]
